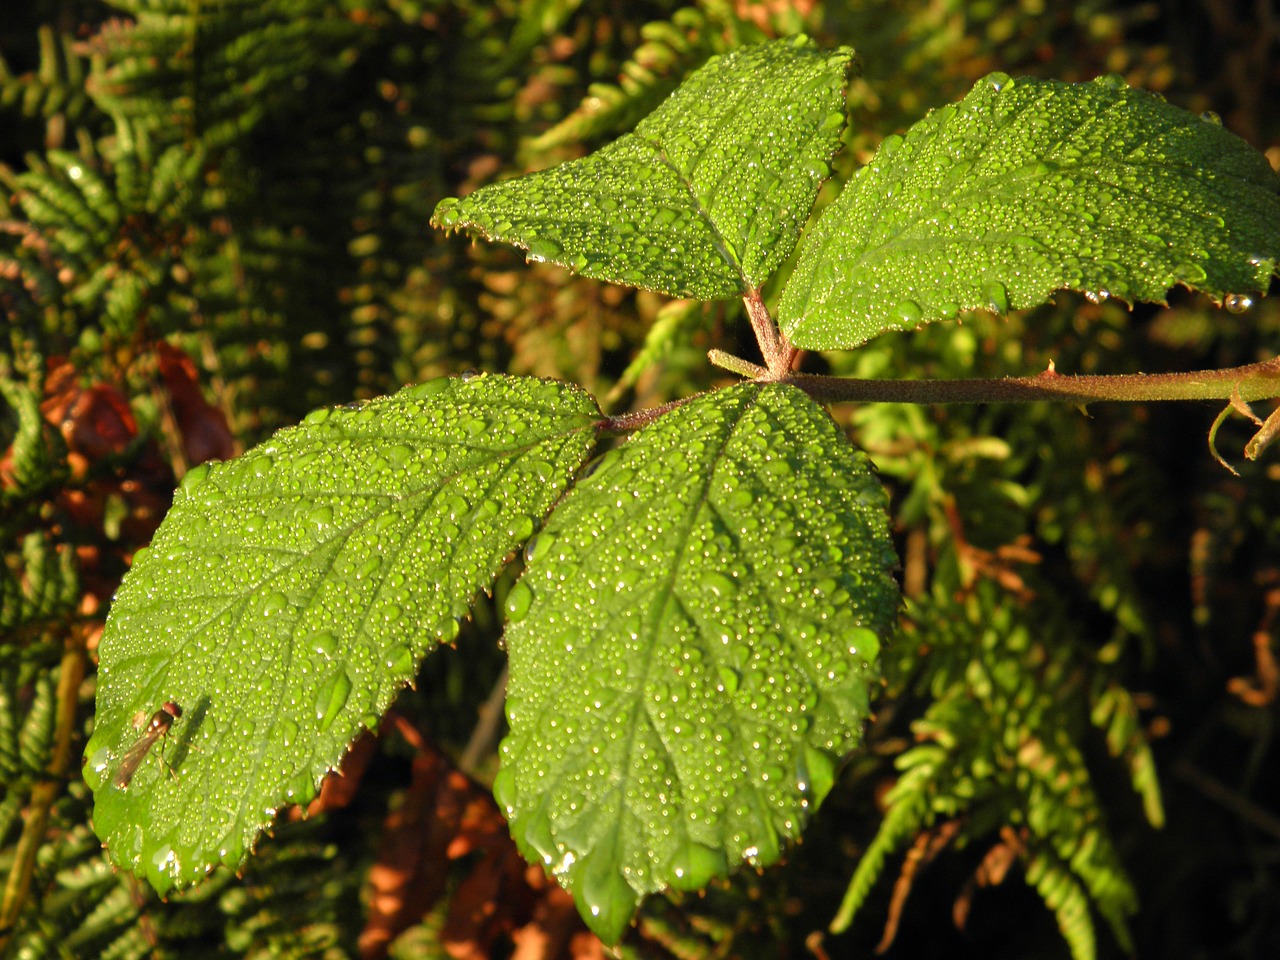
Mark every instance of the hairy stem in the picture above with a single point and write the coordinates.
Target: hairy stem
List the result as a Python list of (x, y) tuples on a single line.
[(624, 422), (743, 368), (1255, 381), (776, 349)]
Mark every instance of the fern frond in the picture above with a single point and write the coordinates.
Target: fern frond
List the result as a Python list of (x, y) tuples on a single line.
[(669, 51), (1066, 897), (674, 325), (55, 90), (101, 239), (910, 810), (1116, 715), (36, 453), (1002, 740), (212, 73)]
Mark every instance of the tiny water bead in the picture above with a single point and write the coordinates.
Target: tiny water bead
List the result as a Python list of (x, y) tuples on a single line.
[(1237, 302)]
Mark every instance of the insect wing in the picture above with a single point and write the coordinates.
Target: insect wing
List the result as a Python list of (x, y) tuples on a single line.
[(157, 727)]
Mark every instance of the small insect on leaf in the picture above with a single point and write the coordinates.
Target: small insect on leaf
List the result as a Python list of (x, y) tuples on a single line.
[(157, 727)]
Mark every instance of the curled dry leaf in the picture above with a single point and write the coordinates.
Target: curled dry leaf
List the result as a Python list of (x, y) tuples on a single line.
[(96, 423), (446, 826), (203, 427)]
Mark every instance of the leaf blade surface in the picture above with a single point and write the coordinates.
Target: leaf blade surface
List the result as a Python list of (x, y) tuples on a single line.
[(692, 647), (290, 593), (705, 199), (1026, 187)]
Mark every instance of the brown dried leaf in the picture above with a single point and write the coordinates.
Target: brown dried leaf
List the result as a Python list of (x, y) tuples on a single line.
[(444, 820), (204, 430)]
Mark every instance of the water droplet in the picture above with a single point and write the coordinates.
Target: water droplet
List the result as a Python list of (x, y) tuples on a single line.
[(301, 788), (889, 146), (816, 169), (164, 861), (504, 789), (1237, 302), (428, 388), (325, 643), (273, 603), (538, 836), (446, 214), (1189, 273), (717, 583), (997, 296), (542, 250), (908, 312), (696, 865), (194, 477), (729, 678), (818, 770), (320, 517), (1211, 116), (317, 416), (399, 454), (832, 122), (608, 899), (998, 81), (95, 770), (399, 660), (331, 698), (518, 601)]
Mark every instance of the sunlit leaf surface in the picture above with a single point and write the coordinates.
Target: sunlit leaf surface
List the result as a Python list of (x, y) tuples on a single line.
[(290, 593), (692, 648), (1030, 186), (705, 199)]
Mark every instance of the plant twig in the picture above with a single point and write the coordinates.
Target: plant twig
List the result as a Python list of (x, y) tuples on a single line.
[(1254, 381), (743, 368), (485, 735), (776, 349), (1232, 800), (625, 422)]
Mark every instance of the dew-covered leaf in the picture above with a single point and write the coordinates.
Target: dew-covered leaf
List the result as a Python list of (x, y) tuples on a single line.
[(290, 593), (1030, 186), (692, 648), (705, 199)]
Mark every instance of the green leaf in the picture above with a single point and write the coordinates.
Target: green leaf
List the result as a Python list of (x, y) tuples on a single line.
[(1030, 186), (290, 593), (705, 199), (692, 648)]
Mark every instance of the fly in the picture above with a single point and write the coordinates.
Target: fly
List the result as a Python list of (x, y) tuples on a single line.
[(156, 728)]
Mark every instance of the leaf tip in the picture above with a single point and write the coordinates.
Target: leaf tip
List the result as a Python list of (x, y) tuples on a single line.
[(446, 215), (605, 900)]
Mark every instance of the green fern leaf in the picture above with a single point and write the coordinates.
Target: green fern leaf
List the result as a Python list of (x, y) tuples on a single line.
[(669, 50)]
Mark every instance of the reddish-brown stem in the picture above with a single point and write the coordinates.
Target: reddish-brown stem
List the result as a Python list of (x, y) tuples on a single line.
[(776, 349), (624, 422), (1255, 381)]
